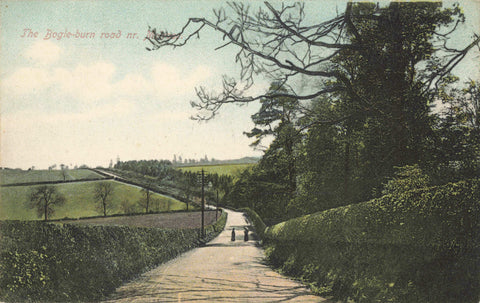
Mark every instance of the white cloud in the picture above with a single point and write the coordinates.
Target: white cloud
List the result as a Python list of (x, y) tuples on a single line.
[(169, 116), (86, 82), (43, 52), (168, 80), (26, 81), (55, 109), (96, 82), (28, 118), (133, 85)]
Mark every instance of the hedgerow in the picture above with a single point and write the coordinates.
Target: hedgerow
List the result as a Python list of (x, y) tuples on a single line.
[(68, 262), (256, 220), (418, 246)]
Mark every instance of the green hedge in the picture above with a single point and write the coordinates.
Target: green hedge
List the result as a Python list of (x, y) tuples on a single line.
[(256, 220), (420, 246), (68, 262), (211, 231)]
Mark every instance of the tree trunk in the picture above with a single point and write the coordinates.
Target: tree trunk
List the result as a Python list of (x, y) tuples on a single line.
[(346, 172), (148, 201)]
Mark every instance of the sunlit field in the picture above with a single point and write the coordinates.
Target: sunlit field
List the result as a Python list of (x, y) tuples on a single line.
[(80, 201), (221, 169), (9, 176)]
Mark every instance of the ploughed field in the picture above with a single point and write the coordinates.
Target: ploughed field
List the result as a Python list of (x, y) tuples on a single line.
[(165, 220)]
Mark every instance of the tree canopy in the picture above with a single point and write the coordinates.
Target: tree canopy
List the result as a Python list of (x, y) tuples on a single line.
[(44, 199), (350, 98)]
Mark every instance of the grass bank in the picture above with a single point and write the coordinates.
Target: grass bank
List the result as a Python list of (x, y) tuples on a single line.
[(420, 246)]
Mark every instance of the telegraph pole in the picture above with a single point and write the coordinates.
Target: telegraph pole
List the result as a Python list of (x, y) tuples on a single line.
[(203, 204), (216, 211)]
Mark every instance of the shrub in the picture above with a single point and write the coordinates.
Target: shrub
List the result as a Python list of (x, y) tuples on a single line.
[(418, 246)]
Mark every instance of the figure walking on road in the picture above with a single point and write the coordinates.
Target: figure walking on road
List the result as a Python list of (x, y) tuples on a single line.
[(233, 234), (245, 232)]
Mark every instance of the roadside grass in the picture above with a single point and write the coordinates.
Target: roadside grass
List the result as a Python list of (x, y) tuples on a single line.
[(221, 169), (9, 176), (80, 201)]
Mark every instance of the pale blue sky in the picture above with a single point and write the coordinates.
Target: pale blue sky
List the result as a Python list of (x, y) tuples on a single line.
[(85, 101)]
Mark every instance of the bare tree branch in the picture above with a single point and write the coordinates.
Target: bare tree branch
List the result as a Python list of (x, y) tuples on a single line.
[(275, 41)]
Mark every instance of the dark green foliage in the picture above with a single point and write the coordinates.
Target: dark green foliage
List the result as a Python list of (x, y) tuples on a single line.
[(455, 148), (65, 263), (162, 168), (406, 178), (256, 190), (417, 246)]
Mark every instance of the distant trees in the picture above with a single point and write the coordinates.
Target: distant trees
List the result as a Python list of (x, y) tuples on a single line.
[(188, 183), (103, 192), (44, 199), (155, 168)]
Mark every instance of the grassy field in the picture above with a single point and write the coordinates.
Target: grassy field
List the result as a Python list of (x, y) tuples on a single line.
[(221, 169), (80, 201), (9, 176)]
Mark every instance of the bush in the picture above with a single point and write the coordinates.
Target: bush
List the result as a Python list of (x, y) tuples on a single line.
[(419, 246), (62, 262)]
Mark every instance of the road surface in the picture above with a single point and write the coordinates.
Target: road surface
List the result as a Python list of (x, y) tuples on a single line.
[(222, 271)]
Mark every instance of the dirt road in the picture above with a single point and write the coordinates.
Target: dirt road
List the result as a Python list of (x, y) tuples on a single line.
[(222, 271)]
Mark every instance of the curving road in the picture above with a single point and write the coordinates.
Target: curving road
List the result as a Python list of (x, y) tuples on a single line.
[(222, 271)]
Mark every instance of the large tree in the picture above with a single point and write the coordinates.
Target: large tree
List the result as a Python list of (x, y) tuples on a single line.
[(455, 147), (44, 199), (277, 117), (188, 184), (103, 192), (146, 197), (378, 66)]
